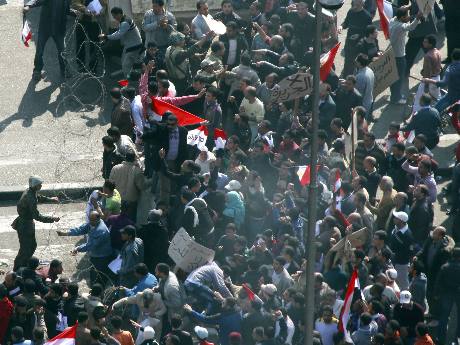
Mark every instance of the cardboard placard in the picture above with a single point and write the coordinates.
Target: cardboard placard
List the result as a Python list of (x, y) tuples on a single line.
[(292, 87), (385, 71), (425, 6), (187, 254)]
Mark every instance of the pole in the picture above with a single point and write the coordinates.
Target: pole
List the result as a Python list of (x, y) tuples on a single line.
[(313, 187)]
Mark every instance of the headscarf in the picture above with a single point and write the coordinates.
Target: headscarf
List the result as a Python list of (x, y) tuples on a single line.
[(234, 208)]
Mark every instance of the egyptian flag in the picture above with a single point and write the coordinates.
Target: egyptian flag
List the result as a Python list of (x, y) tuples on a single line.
[(184, 117), (251, 295), (198, 137), (337, 182), (303, 172), (67, 337), (385, 13), (353, 286), (26, 33), (327, 61), (220, 138)]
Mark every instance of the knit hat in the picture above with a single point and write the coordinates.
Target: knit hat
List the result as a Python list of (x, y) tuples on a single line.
[(149, 333), (201, 332), (34, 181), (176, 37)]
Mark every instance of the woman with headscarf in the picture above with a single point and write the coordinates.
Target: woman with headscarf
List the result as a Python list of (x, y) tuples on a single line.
[(234, 208)]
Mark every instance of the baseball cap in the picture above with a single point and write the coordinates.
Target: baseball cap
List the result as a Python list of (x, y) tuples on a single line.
[(402, 216), (405, 297)]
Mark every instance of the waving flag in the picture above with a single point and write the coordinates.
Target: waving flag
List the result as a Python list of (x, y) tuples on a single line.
[(184, 117), (353, 284), (337, 181), (26, 33), (251, 295), (67, 337), (303, 172), (198, 137), (327, 61), (220, 138), (385, 13)]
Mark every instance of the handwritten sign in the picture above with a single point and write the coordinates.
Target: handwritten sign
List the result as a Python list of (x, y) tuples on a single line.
[(426, 6), (385, 71), (293, 86), (186, 253)]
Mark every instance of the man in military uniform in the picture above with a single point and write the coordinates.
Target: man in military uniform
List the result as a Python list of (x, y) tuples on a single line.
[(24, 224)]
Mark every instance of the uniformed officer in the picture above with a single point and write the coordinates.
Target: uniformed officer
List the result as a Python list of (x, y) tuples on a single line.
[(24, 224)]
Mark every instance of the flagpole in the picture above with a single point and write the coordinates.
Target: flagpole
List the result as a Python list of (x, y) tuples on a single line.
[(353, 139), (313, 186)]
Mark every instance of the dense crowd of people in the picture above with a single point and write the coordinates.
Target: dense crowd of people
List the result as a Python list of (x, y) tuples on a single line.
[(245, 195)]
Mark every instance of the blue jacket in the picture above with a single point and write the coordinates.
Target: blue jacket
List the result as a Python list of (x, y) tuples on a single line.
[(426, 121), (98, 240), (147, 282), (227, 321), (452, 81)]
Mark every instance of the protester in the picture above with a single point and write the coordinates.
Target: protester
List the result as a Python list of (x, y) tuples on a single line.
[(223, 170)]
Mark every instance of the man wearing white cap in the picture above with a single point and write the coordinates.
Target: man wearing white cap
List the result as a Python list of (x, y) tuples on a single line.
[(402, 244), (24, 224), (408, 314)]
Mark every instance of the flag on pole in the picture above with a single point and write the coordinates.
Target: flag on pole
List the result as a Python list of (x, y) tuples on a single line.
[(304, 175), (184, 117), (303, 172), (26, 33), (385, 14), (67, 337), (353, 284), (327, 61), (337, 181)]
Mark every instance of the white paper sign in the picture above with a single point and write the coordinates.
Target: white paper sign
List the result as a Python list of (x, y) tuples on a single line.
[(187, 254), (115, 265), (214, 25), (95, 7)]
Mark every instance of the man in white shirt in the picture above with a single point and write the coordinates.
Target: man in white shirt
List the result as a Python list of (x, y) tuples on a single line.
[(327, 326), (399, 27), (253, 107), (136, 111)]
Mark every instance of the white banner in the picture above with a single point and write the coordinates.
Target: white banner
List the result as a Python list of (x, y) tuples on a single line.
[(187, 254), (197, 137)]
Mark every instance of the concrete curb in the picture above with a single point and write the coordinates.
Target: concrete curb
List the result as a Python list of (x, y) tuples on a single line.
[(65, 191)]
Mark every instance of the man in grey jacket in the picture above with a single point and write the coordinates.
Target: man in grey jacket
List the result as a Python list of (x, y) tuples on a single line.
[(152, 22), (131, 254), (130, 38), (171, 291)]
